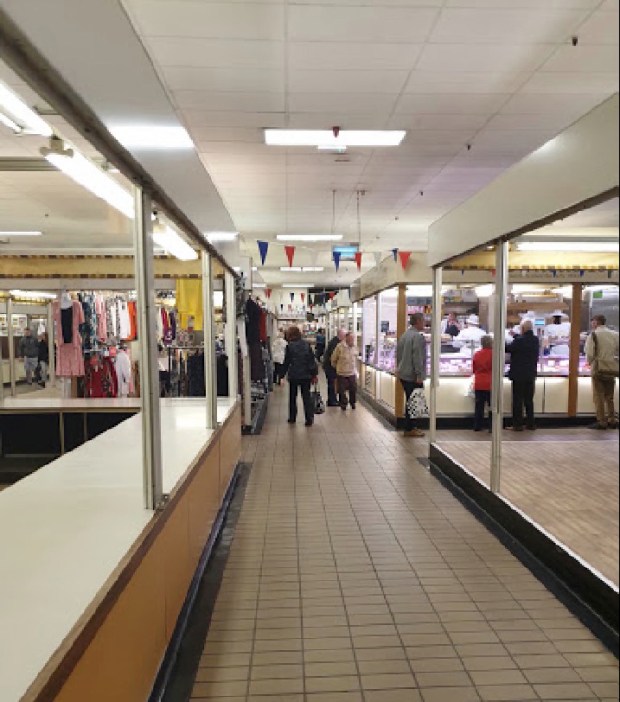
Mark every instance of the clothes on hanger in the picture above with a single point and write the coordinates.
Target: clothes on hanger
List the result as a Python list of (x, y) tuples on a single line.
[(122, 365), (69, 356), (101, 380)]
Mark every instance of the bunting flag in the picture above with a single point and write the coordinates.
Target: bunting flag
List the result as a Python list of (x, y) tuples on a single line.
[(404, 258), (395, 254), (290, 308), (292, 296), (554, 272), (332, 295), (281, 308), (581, 273), (494, 272), (337, 256), (303, 297), (263, 248), (290, 254), (268, 293), (358, 260), (378, 258)]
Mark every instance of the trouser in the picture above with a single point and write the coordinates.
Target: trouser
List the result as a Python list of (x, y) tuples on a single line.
[(318, 352), (523, 398), (304, 386), (409, 386), (30, 366), (483, 398), (332, 378), (43, 370), (278, 373), (604, 389), (347, 383)]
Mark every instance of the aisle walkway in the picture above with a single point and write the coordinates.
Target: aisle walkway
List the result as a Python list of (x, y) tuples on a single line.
[(354, 576)]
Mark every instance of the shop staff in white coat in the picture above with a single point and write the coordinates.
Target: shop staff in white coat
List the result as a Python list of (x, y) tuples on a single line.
[(470, 338), (559, 327)]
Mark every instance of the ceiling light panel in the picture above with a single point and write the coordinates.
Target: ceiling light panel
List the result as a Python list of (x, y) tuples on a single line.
[(296, 286), (310, 238), (20, 114), (216, 237), (21, 233), (326, 138), (173, 244), (151, 137), (302, 269)]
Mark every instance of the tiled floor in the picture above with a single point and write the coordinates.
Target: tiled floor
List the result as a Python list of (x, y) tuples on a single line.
[(354, 576), (565, 480)]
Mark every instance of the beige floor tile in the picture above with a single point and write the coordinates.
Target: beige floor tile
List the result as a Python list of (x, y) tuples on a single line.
[(497, 677), (341, 683), (506, 693), (406, 695), (276, 687), (222, 689), (334, 697), (330, 669), (447, 694), (437, 665), (553, 675), (599, 674), (559, 691), (326, 655), (222, 674), (276, 672), (442, 679)]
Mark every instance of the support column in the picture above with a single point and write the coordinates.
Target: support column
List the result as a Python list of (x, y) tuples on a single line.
[(499, 361), (209, 342), (51, 343), (401, 328), (435, 349), (149, 374), (575, 344), (2, 372), (11, 340), (231, 334)]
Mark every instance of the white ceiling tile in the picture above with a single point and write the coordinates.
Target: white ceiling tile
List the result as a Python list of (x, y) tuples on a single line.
[(224, 79), (360, 24), (450, 82), (600, 28), (375, 103), (219, 20), (527, 4), (236, 134), (352, 56), (335, 81), (200, 118), (556, 122), (476, 26), (346, 120), (216, 53), (569, 105), (555, 82), (584, 58), (498, 58), (451, 103), (222, 101)]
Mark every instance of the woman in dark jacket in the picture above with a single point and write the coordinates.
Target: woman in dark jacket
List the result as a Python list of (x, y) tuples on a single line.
[(302, 369)]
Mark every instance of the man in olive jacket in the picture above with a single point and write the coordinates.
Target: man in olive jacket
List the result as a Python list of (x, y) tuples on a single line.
[(411, 359)]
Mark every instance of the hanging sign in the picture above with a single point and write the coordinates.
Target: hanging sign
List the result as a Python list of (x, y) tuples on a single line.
[(290, 254), (404, 258), (337, 256), (358, 260), (263, 248), (395, 254)]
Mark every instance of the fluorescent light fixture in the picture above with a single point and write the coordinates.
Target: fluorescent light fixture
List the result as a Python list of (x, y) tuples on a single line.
[(90, 176), (218, 298), (484, 290), (173, 244), (299, 286), (302, 269), (569, 246), (326, 138), (259, 286), (21, 233), (565, 291), (10, 124), (520, 289), (215, 237), (21, 115), (146, 136), (420, 290), (310, 237), (33, 295)]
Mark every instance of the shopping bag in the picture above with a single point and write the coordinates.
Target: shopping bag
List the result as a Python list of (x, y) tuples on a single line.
[(471, 388), (417, 406), (319, 405)]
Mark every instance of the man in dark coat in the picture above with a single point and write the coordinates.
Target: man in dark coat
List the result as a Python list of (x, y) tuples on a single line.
[(524, 355)]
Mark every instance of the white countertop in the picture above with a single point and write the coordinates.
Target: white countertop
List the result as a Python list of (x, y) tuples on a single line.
[(25, 403), (65, 528)]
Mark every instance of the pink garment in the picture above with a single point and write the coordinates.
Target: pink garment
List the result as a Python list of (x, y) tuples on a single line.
[(102, 322), (69, 357)]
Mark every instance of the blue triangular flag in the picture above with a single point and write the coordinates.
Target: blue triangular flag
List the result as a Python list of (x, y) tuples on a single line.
[(337, 256), (395, 254), (292, 296), (263, 247)]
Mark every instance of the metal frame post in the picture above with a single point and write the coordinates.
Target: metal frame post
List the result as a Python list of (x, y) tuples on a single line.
[(11, 340), (499, 362), (149, 374), (2, 370), (435, 349), (231, 334), (51, 343), (209, 342)]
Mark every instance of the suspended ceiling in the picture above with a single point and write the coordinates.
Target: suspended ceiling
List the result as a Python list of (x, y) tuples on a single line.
[(499, 75)]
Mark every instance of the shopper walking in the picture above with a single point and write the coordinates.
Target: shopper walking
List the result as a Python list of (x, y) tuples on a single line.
[(278, 353), (300, 364), (602, 353), (483, 380), (344, 360), (29, 350), (43, 358), (524, 354), (411, 364), (330, 371), (319, 348)]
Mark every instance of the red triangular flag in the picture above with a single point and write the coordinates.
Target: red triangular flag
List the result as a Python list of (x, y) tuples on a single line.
[(358, 260), (303, 297), (332, 295), (268, 292), (404, 258), (290, 254)]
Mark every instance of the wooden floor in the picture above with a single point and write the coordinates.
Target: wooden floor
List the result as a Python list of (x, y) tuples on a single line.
[(565, 480)]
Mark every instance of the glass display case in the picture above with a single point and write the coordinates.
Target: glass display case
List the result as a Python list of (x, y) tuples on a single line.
[(387, 328), (369, 330)]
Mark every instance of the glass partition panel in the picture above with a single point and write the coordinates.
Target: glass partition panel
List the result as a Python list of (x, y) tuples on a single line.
[(369, 330), (388, 318)]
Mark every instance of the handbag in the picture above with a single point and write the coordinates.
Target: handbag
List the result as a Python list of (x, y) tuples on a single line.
[(606, 368), (417, 406), (319, 405)]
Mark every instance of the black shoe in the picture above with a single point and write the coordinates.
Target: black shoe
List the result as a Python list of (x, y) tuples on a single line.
[(333, 404), (352, 407), (613, 425), (517, 429), (292, 421), (598, 426), (344, 409), (478, 429), (309, 424), (532, 428)]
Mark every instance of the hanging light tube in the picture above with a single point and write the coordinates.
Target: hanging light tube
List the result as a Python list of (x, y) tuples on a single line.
[(173, 244), (89, 176), (22, 116)]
